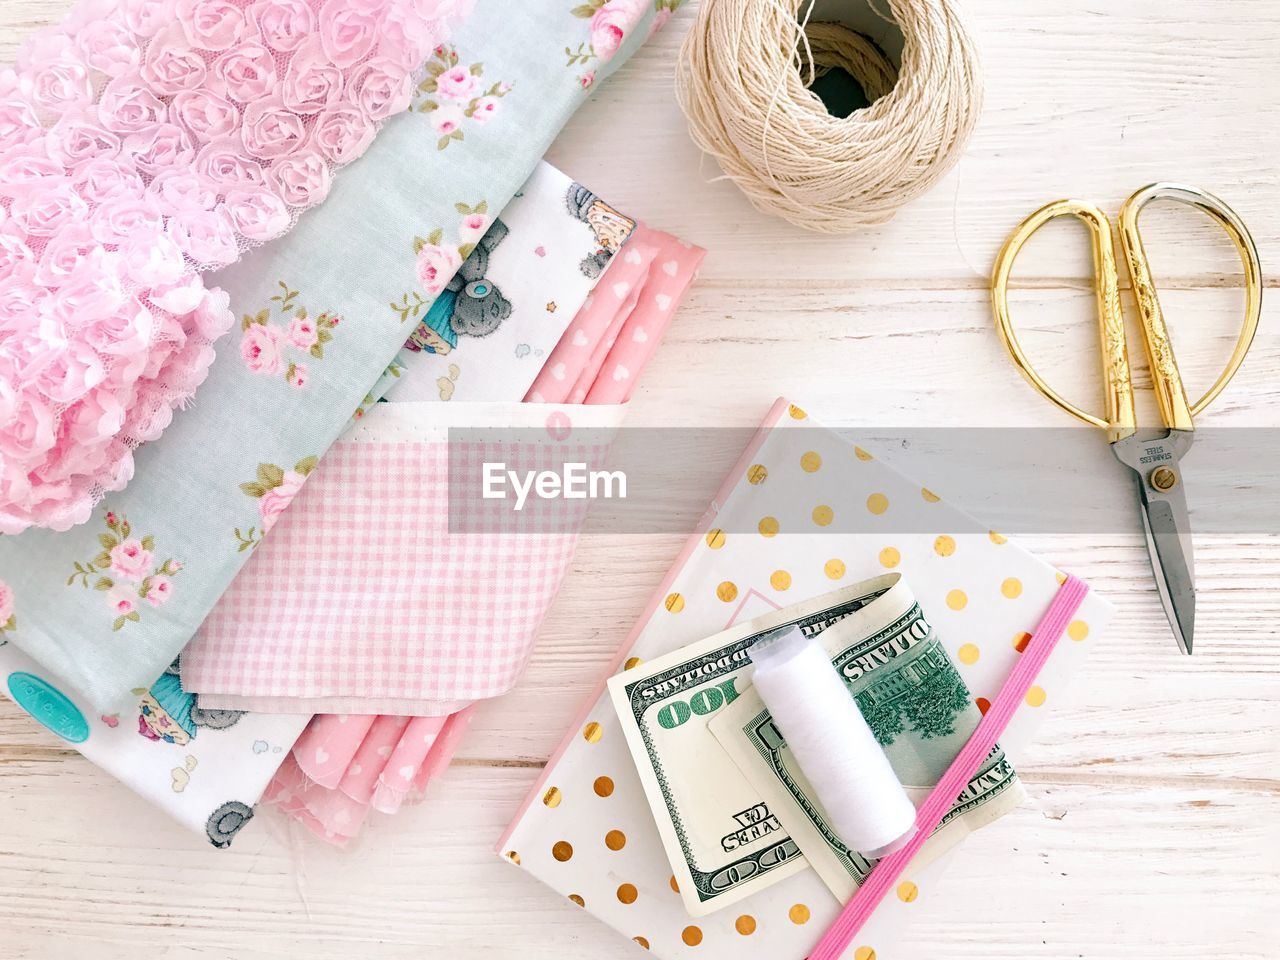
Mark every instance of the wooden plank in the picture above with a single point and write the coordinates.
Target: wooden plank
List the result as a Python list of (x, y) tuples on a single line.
[(1149, 872)]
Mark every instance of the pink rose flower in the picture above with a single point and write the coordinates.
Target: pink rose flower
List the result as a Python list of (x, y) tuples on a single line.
[(342, 134), (67, 254), (126, 106), (107, 46), (446, 119), (26, 166), (311, 82), (43, 212), (171, 66), (180, 298), (472, 227), (54, 75), (71, 372), (348, 31), (211, 24), (123, 331), (257, 213), (153, 259), (181, 191), (101, 179), (159, 589), (213, 317), (611, 24), (130, 560), (587, 79), (248, 70), (164, 146), (394, 45), (17, 262), (224, 164), (457, 84), (284, 24), (298, 375), (6, 603), (31, 430), (78, 137), (381, 88), (485, 108), (273, 503), (301, 179), (436, 267), (25, 325), (188, 369), (18, 120), (207, 115), (148, 17), (260, 349), (122, 600), (207, 237), (271, 129), (418, 25), (116, 219), (303, 333)]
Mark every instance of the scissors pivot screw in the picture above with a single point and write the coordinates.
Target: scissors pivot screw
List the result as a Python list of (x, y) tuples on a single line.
[(1163, 479)]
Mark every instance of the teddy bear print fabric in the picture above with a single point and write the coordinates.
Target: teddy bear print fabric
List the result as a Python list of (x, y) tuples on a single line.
[(205, 768), (518, 281)]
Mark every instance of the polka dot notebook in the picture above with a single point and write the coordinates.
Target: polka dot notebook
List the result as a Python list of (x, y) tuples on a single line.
[(803, 511)]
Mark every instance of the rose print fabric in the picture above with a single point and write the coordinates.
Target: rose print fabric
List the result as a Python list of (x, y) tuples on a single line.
[(142, 141), (195, 490)]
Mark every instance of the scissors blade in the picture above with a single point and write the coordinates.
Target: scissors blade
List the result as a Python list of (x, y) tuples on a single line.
[(1166, 523), (1173, 563)]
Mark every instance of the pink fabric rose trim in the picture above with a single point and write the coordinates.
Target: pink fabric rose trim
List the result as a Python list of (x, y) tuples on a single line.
[(274, 487), (141, 143), (126, 572)]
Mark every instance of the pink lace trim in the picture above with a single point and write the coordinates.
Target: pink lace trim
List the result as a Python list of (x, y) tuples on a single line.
[(141, 142)]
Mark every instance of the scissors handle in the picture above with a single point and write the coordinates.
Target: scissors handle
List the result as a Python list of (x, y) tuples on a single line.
[(1177, 413), (1119, 418)]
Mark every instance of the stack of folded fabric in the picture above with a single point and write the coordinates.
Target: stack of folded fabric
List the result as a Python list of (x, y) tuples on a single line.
[(562, 300), (156, 123)]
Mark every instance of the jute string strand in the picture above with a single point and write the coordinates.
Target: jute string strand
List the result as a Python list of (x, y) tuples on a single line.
[(743, 80)]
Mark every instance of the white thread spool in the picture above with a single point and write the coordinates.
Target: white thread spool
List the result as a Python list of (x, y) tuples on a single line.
[(864, 802)]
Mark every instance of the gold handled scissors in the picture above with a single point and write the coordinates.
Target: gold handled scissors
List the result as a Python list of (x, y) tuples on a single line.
[(1154, 457)]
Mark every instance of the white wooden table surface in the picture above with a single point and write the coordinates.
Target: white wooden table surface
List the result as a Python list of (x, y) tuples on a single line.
[(1151, 834)]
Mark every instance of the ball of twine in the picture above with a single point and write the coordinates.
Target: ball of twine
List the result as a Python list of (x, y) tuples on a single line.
[(743, 82)]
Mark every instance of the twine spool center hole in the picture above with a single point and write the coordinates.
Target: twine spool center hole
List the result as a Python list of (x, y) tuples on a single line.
[(856, 53)]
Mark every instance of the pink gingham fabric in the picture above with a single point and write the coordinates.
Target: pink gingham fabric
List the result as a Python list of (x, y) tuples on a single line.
[(364, 592)]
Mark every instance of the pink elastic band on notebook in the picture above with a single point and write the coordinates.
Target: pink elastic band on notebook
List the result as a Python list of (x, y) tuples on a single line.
[(885, 875)]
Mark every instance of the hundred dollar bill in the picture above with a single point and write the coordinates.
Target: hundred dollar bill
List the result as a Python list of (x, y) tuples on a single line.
[(723, 839), (918, 707)]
